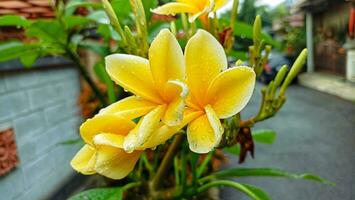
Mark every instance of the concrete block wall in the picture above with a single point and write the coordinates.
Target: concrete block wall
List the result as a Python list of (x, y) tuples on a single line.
[(40, 106)]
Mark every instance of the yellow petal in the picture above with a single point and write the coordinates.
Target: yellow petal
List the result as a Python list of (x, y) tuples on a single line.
[(204, 133), (219, 4), (175, 93), (114, 162), (164, 132), (174, 8), (166, 58), (105, 124), (205, 59), (109, 139), (144, 129), (130, 107), (132, 73), (84, 160), (174, 112), (230, 91)]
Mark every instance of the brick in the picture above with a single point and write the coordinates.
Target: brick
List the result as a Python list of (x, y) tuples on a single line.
[(47, 185), (12, 184), (26, 150), (48, 140), (2, 84), (13, 104), (28, 124), (67, 89), (57, 113), (37, 170), (21, 80), (42, 96)]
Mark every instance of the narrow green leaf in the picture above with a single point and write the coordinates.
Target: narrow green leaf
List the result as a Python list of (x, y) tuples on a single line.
[(264, 136), (268, 172), (100, 194), (14, 20), (71, 142), (252, 191), (257, 191)]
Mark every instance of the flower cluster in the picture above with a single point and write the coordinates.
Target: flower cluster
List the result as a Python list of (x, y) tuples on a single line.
[(171, 90)]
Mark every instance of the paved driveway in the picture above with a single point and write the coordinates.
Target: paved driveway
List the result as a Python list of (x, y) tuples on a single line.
[(316, 134)]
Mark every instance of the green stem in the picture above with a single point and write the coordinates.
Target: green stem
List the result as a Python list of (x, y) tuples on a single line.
[(167, 161), (75, 58), (204, 164)]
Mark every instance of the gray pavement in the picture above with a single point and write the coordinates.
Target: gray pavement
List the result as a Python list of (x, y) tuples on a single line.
[(316, 134)]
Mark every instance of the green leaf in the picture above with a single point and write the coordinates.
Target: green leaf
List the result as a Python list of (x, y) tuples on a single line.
[(122, 8), (14, 20), (99, 16), (235, 149), (100, 194), (100, 71), (76, 21), (148, 5), (48, 31), (72, 5), (96, 47), (257, 191), (71, 142), (264, 136), (242, 55), (14, 50), (267, 172), (252, 191), (29, 58)]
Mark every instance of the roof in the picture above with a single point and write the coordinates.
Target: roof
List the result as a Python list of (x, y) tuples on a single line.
[(27, 8)]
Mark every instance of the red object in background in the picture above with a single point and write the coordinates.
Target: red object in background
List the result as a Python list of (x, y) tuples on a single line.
[(352, 23), (8, 152)]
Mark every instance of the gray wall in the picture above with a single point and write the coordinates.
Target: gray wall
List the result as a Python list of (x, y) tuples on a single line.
[(41, 107)]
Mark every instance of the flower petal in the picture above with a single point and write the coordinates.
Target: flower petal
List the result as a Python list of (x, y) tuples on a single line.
[(230, 91), (164, 132), (132, 73), (109, 139), (205, 59), (175, 93), (130, 107), (84, 160), (174, 8), (114, 162), (205, 132), (219, 4), (105, 124), (166, 58), (144, 129)]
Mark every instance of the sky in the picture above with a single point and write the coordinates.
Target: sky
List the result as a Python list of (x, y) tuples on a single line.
[(271, 3)]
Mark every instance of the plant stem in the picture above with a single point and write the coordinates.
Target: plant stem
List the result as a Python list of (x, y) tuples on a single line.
[(74, 57), (167, 161)]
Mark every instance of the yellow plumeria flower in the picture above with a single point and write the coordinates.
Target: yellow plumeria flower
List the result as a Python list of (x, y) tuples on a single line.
[(103, 152), (216, 91), (195, 8), (158, 85), (104, 136)]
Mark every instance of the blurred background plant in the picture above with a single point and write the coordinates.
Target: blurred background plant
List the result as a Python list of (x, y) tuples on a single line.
[(87, 31)]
